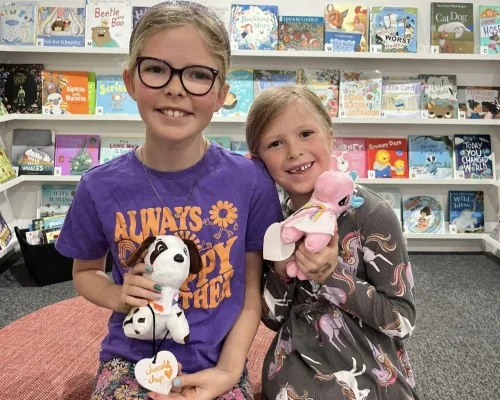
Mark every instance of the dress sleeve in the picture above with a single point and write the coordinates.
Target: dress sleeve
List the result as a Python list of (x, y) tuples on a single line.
[(385, 299), (277, 299)]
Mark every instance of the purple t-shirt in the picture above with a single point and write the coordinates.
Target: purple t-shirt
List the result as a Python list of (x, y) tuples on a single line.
[(227, 214)]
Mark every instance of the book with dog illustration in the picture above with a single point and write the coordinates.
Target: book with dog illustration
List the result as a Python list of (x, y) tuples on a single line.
[(112, 96), (325, 84), (489, 25), (360, 94), (240, 95), (55, 199), (254, 27), (349, 154), (75, 154), (466, 210), (17, 23), (452, 28), (301, 33), (401, 97), (482, 102), (473, 156), (265, 79), (61, 26), (33, 151), (65, 92), (346, 27), (108, 24), (423, 214), (439, 96), (21, 88), (387, 157), (430, 157), (393, 29), (112, 147)]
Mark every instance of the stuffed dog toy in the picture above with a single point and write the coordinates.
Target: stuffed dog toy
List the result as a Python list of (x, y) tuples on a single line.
[(172, 259)]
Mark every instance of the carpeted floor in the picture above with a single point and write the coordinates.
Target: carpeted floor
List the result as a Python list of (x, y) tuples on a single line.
[(455, 348)]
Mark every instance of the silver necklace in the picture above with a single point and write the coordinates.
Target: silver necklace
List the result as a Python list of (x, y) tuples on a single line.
[(188, 198)]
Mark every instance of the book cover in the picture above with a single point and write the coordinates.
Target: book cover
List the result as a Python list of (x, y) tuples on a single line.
[(265, 79), (75, 154), (423, 214), (223, 141), (240, 147), (346, 27), (466, 211), (55, 199), (254, 27), (33, 151), (489, 25), (439, 96), (21, 88), (482, 102), (394, 29), (473, 156), (65, 92), (112, 147), (112, 96), (3, 109), (6, 171), (137, 13), (360, 94), (349, 154), (5, 233), (61, 26), (452, 27), (92, 92), (325, 84), (393, 198), (240, 95), (223, 12), (108, 24), (430, 157), (301, 33), (401, 98), (17, 23), (388, 158)]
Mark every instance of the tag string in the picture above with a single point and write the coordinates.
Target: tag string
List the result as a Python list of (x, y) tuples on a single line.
[(156, 350)]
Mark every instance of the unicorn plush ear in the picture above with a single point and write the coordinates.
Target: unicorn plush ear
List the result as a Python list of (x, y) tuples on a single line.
[(357, 201)]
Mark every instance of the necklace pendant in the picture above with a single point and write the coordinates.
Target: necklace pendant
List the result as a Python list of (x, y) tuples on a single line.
[(177, 216)]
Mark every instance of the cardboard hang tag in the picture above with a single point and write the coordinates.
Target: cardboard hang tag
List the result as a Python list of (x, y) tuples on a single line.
[(274, 248), (157, 377)]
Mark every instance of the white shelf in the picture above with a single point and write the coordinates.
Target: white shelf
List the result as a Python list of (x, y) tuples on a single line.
[(428, 182), (445, 236), (39, 178)]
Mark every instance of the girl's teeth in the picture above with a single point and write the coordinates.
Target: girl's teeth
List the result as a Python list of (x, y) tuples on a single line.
[(175, 114)]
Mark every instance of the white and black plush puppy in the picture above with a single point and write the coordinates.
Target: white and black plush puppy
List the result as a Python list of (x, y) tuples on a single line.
[(172, 259)]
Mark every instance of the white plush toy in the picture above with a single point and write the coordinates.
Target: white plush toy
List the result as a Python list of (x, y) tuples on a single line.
[(172, 259)]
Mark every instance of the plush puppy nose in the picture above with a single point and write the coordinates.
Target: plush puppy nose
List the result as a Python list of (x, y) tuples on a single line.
[(179, 258)]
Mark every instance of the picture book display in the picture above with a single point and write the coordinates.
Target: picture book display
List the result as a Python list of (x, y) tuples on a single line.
[(346, 27), (21, 88), (489, 26), (65, 92), (401, 98), (17, 23), (300, 33), (393, 29), (430, 157), (387, 158), (482, 102), (112, 147), (6, 171), (439, 96), (5, 233), (360, 94), (265, 79), (112, 96), (75, 154), (108, 24), (56, 199), (466, 211), (254, 27), (240, 95), (61, 26), (325, 84), (473, 156), (33, 151), (452, 27), (240, 147), (423, 214), (349, 154)]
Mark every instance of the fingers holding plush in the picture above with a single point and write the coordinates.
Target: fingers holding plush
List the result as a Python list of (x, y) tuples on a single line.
[(138, 290), (318, 266)]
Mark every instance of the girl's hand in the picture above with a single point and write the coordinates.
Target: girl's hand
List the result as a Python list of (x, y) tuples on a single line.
[(137, 290), (318, 266), (280, 268)]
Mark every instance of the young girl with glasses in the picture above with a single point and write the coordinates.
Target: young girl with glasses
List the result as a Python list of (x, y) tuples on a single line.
[(180, 184)]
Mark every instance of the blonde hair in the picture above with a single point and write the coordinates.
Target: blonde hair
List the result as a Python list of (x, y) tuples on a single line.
[(268, 106), (176, 14)]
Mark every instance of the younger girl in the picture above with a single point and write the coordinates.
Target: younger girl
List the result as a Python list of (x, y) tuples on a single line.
[(340, 333), (175, 183)]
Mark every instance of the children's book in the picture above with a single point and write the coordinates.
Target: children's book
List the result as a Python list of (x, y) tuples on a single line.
[(33, 151), (224, 141), (430, 157), (240, 95), (112, 96), (92, 92), (349, 154), (388, 158), (112, 147), (473, 156), (108, 24), (393, 198), (452, 27), (55, 199), (61, 26), (254, 27), (423, 214), (5, 233), (223, 12), (265, 79), (466, 211), (17, 23), (360, 94), (401, 98), (240, 147), (3, 110), (393, 29), (21, 88), (325, 83), (439, 96), (75, 154), (65, 92), (6, 171), (137, 13), (301, 33), (489, 25), (482, 102), (346, 27)]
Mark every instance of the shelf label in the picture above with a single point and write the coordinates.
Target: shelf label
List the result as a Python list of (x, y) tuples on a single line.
[(234, 46), (57, 171), (40, 42), (459, 175), (424, 114), (376, 48), (382, 114), (453, 228), (45, 110), (484, 50), (371, 174), (462, 114), (413, 175), (434, 49), (99, 110), (342, 114), (88, 43), (16, 170)]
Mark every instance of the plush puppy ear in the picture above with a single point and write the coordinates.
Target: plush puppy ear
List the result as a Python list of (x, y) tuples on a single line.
[(195, 265), (139, 253)]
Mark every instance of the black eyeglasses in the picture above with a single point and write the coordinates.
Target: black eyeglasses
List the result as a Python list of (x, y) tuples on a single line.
[(197, 80)]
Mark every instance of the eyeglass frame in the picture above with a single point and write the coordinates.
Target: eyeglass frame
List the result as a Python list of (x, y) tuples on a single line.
[(175, 71)]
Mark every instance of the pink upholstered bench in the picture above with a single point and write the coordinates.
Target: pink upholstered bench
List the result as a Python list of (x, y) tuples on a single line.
[(52, 353)]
